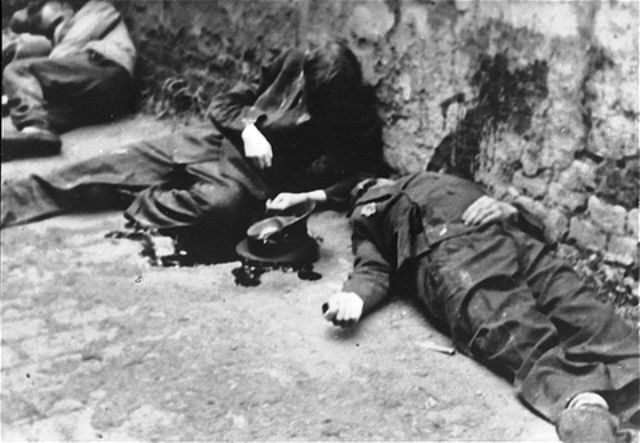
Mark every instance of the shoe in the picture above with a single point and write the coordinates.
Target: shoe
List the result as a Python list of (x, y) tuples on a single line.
[(19, 144), (587, 424)]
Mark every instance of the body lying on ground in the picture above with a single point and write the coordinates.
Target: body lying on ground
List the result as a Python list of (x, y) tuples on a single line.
[(308, 131), (484, 272), (67, 68)]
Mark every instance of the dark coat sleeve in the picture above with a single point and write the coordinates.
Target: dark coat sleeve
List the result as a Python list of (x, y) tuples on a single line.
[(361, 154), (338, 194), (308, 154), (351, 156), (371, 274), (230, 111), (337, 177), (361, 157), (227, 111)]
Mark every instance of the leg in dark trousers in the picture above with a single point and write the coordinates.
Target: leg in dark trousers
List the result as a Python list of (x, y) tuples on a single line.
[(539, 327), (211, 208), (61, 94), (101, 182), (192, 187), (598, 351)]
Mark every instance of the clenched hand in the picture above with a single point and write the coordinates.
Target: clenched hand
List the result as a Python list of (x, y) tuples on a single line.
[(343, 309)]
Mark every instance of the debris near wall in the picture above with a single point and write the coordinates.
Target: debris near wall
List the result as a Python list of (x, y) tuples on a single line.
[(613, 284)]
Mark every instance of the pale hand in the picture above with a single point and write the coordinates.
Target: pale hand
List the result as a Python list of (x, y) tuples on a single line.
[(285, 200), (256, 147), (486, 210), (343, 309)]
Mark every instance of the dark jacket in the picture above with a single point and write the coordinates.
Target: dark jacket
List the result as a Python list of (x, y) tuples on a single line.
[(503, 299), (398, 224), (309, 152)]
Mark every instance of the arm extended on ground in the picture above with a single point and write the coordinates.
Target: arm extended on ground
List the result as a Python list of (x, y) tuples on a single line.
[(368, 283)]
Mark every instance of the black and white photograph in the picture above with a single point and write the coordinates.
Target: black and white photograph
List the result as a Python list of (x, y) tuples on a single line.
[(320, 220)]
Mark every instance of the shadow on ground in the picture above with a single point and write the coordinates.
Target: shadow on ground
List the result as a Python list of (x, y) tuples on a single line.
[(98, 345)]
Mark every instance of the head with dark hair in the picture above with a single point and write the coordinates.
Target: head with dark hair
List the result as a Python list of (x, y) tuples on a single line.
[(333, 81)]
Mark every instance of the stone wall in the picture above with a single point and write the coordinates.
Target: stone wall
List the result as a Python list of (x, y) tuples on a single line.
[(537, 99)]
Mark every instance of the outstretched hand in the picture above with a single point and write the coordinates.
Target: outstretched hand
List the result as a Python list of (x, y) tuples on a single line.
[(285, 200), (486, 210), (343, 309)]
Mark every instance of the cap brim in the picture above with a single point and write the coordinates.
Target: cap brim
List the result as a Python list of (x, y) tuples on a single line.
[(305, 250)]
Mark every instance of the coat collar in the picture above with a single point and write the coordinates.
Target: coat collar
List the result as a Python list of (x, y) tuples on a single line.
[(377, 194)]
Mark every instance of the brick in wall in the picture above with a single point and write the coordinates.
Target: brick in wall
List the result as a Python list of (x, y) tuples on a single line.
[(610, 218), (568, 199), (586, 234), (533, 186), (622, 250), (556, 224)]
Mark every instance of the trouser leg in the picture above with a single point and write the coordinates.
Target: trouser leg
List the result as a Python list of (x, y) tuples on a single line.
[(491, 314), (101, 182), (502, 328), (26, 98), (61, 94), (84, 89), (182, 185), (598, 351), (208, 186), (208, 217), (539, 327)]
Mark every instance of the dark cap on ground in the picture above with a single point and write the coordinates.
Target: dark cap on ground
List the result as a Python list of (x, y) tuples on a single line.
[(281, 239)]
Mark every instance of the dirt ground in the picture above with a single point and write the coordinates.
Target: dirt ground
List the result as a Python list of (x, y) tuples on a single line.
[(99, 345)]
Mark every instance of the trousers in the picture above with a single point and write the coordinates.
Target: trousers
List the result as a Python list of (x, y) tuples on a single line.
[(532, 320), (194, 182), (64, 93)]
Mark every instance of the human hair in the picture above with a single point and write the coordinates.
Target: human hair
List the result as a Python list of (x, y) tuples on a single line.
[(333, 81)]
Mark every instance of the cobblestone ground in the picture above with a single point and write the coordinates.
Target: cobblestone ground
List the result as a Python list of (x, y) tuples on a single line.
[(99, 345)]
